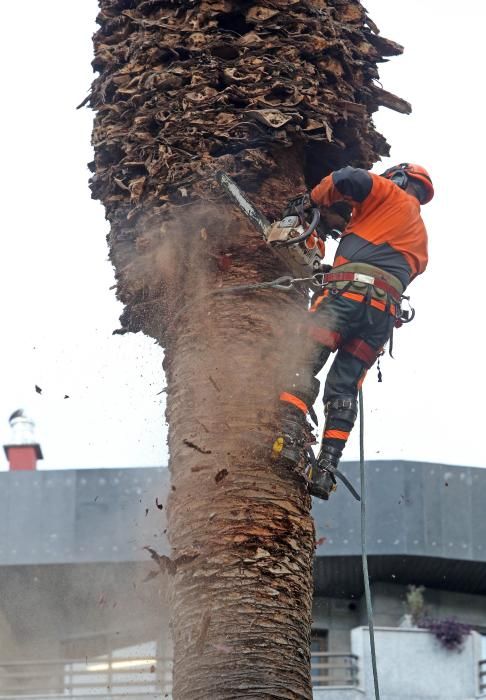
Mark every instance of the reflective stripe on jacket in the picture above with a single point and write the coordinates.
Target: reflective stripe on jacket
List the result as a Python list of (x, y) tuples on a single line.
[(385, 230)]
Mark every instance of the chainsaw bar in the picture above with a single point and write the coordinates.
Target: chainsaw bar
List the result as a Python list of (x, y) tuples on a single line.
[(256, 217)]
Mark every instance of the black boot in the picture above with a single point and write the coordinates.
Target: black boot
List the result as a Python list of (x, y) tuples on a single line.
[(294, 436), (322, 479), (322, 475)]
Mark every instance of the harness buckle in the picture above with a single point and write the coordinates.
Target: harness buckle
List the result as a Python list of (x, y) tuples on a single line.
[(366, 279)]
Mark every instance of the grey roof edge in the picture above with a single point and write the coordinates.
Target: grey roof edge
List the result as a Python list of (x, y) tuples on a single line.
[(415, 509)]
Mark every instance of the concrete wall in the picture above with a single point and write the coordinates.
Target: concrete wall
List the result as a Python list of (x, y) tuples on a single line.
[(411, 512), (82, 516), (338, 616), (339, 694), (412, 665), (389, 605), (9, 645)]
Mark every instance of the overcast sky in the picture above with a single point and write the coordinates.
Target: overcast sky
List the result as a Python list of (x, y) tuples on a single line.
[(59, 313)]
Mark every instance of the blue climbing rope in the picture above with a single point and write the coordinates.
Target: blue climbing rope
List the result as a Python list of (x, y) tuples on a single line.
[(364, 556)]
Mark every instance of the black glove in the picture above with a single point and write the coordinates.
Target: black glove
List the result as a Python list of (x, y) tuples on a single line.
[(302, 204)]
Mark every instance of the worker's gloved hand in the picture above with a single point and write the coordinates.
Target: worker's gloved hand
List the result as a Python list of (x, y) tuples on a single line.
[(300, 203), (309, 203)]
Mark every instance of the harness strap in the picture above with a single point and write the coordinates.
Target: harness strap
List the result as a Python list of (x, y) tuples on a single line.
[(367, 279), (362, 350), (336, 434), (286, 397), (368, 299), (340, 403), (356, 296)]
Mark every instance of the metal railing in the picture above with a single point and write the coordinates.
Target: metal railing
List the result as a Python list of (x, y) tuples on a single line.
[(334, 670), (133, 677), (111, 677), (482, 677)]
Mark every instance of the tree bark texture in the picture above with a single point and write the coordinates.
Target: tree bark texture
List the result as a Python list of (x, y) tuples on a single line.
[(239, 523), (277, 93)]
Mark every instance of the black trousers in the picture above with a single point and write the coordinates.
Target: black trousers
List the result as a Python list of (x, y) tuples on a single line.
[(348, 319), (337, 323)]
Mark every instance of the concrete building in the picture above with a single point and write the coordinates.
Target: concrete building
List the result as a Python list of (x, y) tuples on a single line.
[(81, 614), (426, 527)]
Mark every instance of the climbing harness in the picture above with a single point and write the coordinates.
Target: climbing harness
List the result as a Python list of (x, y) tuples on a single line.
[(322, 279), (366, 279), (318, 281)]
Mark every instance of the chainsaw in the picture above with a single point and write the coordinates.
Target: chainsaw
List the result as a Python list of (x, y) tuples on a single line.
[(297, 239)]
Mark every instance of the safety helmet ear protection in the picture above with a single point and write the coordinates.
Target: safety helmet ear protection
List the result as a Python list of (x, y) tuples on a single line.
[(404, 172)]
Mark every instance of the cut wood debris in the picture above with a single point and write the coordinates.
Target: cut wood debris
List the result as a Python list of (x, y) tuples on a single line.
[(188, 88)]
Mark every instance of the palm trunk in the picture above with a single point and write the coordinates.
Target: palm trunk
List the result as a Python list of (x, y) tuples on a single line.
[(277, 94), (239, 525)]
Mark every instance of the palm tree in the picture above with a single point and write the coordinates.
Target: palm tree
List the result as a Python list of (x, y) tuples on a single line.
[(277, 93)]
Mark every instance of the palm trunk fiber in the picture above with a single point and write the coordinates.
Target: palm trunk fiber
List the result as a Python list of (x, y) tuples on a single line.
[(239, 524)]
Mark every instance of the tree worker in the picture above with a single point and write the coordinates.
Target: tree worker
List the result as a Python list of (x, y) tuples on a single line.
[(383, 248)]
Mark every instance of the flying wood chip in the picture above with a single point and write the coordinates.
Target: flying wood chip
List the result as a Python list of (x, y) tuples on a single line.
[(166, 564), (222, 474)]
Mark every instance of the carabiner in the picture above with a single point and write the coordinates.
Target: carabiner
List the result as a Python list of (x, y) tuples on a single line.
[(406, 315), (284, 283)]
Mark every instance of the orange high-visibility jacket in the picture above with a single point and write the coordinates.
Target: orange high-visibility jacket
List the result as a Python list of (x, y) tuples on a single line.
[(385, 229)]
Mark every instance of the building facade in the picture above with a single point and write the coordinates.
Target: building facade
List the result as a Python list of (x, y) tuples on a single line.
[(82, 615)]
